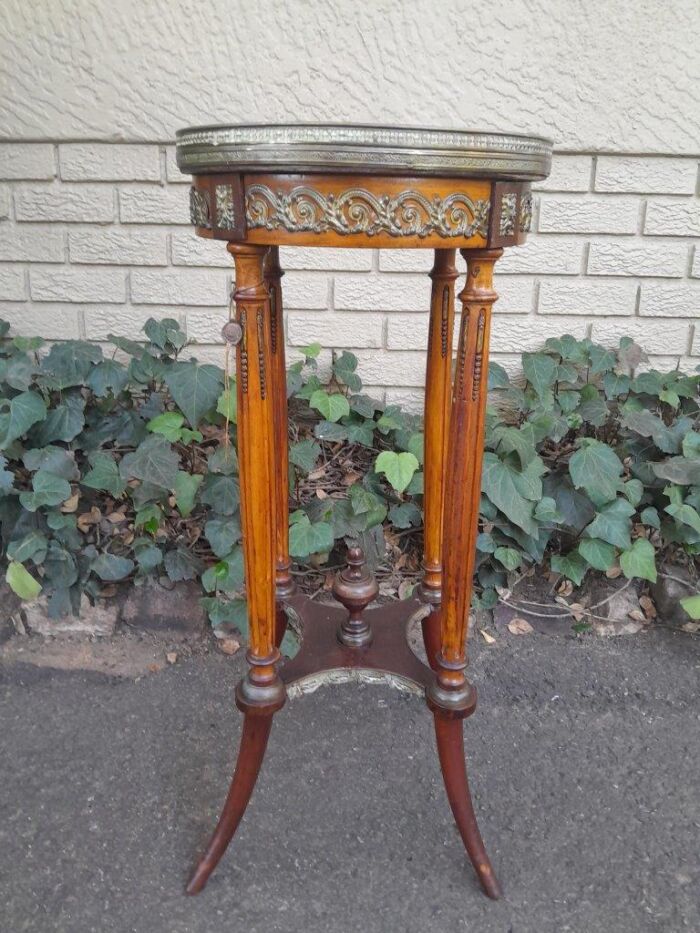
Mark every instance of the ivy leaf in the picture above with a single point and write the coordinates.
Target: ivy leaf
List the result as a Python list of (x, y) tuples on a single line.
[(110, 567), (596, 468), (227, 405), (104, 474), (572, 565), (650, 516), (679, 470), (107, 377), (364, 406), (306, 538), (344, 370), (185, 490), (181, 564), (592, 407), (691, 445), (569, 400), (615, 384), (169, 424), (509, 557), (311, 351), (234, 611), (691, 605), (69, 363), (362, 433), (602, 359), (684, 514), (47, 490), (221, 493), (498, 377), (405, 515), (500, 483), (546, 510), (25, 410), (56, 460), (227, 575), (304, 454), (63, 423), (647, 424), (332, 407), (398, 468), (613, 524), (21, 581), (598, 553), (638, 561), (519, 440), (196, 388), (222, 534), (148, 555), (31, 546), (540, 371), (392, 419), (328, 431), (633, 490), (154, 461)]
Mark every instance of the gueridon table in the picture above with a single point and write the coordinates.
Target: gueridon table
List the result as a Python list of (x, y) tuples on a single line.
[(261, 187)]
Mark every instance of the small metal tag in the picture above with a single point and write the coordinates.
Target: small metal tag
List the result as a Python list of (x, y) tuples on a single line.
[(232, 332)]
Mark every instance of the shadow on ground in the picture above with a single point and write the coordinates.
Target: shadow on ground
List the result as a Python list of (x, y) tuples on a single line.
[(583, 761)]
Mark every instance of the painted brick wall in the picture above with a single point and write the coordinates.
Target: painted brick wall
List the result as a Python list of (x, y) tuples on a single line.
[(95, 238)]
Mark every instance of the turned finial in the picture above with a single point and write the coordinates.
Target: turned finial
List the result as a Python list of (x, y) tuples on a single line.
[(355, 588)]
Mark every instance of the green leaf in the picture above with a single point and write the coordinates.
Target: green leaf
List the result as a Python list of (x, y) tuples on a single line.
[(615, 384), (684, 515), (28, 343), (592, 407), (638, 561), (306, 538), (613, 524), (648, 383), (598, 553), (362, 433), (47, 490), (364, 406), (398, 468), (62, 423), (498, 377), (344, 370), (405, 515), (681, 470), (569, 400), (392, 419), (31, 546), (148, 555), (196, 388), (222, 534), (540, 370), (104, 474), (154, 461), (221, 493), (56, 460), (691, 605), (110, 567), (185, 490), (169, 424), (304, 454), (546, 511), (333, 433), (223, 460), (691, 445), (227, 405), (572, 565), (69, 363), (21, 581), (311, 351), (234, 611), (25, 410), (647, 424), (107, 377), (500, 483), (332, 407), (596, 468), (182, 564), (633, 490), (602, 359), (509, 557), (650, 516), (669, 397), (520, 440)]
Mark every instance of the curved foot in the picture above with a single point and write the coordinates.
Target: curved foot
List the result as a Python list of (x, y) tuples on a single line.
[(450, 743), (256, 731)]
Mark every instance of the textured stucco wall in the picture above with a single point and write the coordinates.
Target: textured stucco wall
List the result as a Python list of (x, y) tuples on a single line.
[(93, 220)]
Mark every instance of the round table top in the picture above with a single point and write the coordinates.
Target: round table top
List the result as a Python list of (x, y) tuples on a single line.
[(384, 150)]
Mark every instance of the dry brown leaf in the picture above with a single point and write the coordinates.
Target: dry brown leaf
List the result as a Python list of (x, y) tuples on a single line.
[(128, 537), (565, 588), (519, 626), (229, 645), (637, 615), (577, 611), (351, 478), (648, 607), (71, 504), (321, 493), (116, 517), (613, 572), (317, 474), (107, 592), (489, 639), (171, 657)]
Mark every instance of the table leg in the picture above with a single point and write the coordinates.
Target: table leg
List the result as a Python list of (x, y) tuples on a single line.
[(451, 697), (284, 582), (438, 399), (261, 692)]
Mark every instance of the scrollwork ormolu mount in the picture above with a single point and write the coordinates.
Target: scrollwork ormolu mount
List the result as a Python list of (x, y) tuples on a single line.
[(259, 188)]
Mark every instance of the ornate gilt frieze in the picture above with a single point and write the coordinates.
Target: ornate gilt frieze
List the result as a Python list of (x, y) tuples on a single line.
[(199, 209), (225, 208), (525, 217), (347, 675), (508, 209), (409, 213)]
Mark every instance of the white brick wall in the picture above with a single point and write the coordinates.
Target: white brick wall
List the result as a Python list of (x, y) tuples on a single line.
[(94, 238)]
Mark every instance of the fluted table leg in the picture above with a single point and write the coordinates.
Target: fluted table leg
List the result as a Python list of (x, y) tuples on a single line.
[(451, 697)]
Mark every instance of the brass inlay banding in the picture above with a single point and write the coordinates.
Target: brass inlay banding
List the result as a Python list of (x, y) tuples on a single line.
[(261, 351), (244, 353), (444, 320), (478, 359), (273, 320), (461, 363)]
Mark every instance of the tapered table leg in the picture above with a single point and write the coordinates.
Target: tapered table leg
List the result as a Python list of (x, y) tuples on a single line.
[(438, 399), (261, 692), (284, 582), (451, 697)]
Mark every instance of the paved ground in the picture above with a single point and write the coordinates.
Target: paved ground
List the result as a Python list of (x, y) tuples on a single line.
[(584, 763)]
